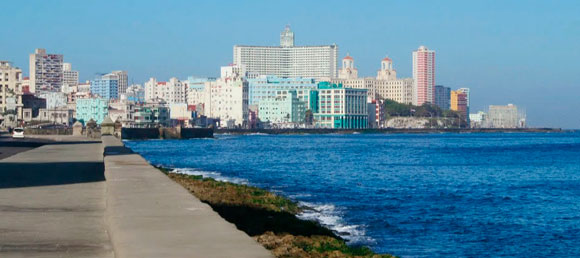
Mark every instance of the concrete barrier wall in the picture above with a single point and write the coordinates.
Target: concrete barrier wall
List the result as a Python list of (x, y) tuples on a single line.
[(48, 131), (166, 133), (386, 130)]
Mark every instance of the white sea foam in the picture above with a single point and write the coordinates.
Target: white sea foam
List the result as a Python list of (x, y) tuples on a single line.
[(330, 216), (211, 174), (258, 134)]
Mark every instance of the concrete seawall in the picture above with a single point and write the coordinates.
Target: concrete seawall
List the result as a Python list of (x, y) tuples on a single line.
[(149, 215), (166, 133)]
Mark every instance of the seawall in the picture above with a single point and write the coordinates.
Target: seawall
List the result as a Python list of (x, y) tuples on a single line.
[(387, 131), (165, 133)]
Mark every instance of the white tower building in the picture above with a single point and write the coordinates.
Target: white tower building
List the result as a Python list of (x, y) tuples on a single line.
[(386, 72), (348, 71)]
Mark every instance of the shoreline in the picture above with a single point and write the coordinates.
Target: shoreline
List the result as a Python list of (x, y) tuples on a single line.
[(389, 131), (270, 219)]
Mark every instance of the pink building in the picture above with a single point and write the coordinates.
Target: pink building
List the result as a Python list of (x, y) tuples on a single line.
[(424, 75)]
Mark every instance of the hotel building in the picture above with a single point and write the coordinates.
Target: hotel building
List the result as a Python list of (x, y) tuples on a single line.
[(288, 60), (45, 71), (384, 86), (424, 76)]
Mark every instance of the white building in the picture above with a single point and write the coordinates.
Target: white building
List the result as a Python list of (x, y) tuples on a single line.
[(70, 78), (288, 60), (54, 100), (424, 76), (45, 71), (384, 86), (172, 91), (227, 99), (505, 117), (10, 89)]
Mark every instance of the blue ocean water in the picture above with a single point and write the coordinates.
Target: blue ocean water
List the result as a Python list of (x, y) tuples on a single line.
[(412, 195)]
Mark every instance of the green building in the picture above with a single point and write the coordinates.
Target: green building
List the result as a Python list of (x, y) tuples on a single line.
[(92, 108), (285, 107)]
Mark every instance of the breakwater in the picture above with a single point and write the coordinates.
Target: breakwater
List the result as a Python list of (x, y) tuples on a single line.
[(388, 130), (165, 133)]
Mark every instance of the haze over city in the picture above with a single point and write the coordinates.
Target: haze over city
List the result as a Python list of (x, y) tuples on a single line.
[(505, 51)]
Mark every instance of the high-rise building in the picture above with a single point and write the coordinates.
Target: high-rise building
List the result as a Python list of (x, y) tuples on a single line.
[(70, 78), (106, 86), (123, 81), (45, 71), (288, 60), (424, 75), (442, 97)]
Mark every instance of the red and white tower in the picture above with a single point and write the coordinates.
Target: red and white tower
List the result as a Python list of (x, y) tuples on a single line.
[(348, 71), (424, 76)]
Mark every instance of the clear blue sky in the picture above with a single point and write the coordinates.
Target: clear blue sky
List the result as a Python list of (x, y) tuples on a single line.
[(521, 52)]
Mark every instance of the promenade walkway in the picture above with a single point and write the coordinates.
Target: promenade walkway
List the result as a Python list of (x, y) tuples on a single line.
[(66, 200), (52, 202)]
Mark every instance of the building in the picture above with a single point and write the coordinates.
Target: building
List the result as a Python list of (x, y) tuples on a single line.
[(288, 60), (424, 75), (348, 71), (443, 97), (134, 93), (284, 108), (384, 86), (195, 90), (92, 108), (123, 83), (340, 107), (45, 71), (152, 114), (10, 90), (505, 117), (458, 102), (172, 91), (478, 120), (227, 99), (63, 116), (54, 100), (106, 86), (70, 78), (31, 105), (265, 87)]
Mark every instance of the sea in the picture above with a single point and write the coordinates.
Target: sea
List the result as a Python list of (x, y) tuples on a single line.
[(411, 195)]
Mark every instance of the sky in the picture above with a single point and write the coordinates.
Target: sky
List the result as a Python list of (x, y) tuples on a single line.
[(521, 52)]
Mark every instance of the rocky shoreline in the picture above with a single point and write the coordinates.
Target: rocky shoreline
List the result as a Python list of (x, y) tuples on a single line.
[(268, 218)]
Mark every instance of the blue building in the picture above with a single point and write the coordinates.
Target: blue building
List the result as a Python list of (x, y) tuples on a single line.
[(107, 86), (265, 87), (443, 97), (339, 107)]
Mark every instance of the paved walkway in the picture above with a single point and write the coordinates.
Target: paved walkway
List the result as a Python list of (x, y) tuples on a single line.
[(55, 202), (52, 202), (152, 216)]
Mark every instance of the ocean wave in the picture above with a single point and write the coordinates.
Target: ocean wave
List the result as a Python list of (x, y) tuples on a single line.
[(330, 216), (258, 134), (215, 175)]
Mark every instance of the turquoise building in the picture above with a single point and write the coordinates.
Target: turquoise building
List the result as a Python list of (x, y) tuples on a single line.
[(264, 87), (282, 108), (92, 108), (339, 107)]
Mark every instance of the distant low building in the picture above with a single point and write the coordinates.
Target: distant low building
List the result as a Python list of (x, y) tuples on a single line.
[(62, 115), (478, 120), (505, 117)]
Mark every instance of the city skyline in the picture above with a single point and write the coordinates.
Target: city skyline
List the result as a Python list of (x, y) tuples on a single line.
[(521, 54)]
